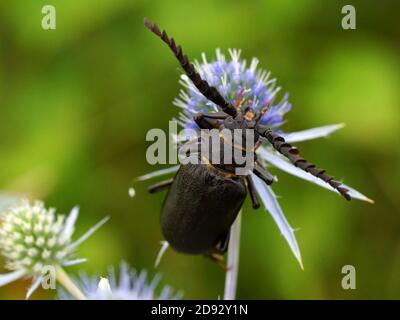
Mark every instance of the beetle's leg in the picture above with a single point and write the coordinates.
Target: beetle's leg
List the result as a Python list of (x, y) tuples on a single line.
[(252, 191), (209, 120), (160, 186), (263, 174), (219, 260), (222, 245), (215, 115), (293, 155)]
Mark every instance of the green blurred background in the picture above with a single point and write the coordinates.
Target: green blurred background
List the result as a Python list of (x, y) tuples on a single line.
[(76, 103)]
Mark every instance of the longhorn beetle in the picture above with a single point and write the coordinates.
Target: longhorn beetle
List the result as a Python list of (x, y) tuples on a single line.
[(204, 199)]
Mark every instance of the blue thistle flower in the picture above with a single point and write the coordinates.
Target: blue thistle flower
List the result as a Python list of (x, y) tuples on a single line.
[(238, 84), (130, 285)]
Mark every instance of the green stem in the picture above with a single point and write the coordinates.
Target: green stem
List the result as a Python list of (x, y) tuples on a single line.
[(233, 260), (67, 283)]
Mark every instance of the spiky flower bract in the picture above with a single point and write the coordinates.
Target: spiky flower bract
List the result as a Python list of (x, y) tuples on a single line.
[(129, 285), (33, 237)]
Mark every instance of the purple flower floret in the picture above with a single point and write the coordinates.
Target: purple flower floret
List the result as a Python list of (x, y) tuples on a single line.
[(237, 83)]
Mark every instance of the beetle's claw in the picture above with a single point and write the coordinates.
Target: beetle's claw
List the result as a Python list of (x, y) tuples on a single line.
[(219, 260)]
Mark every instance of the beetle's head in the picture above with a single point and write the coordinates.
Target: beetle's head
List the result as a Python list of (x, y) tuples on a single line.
[(246, 118), (240, 121), (243, 120)]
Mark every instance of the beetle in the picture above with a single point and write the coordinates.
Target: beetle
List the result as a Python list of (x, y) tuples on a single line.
[(203, 200)]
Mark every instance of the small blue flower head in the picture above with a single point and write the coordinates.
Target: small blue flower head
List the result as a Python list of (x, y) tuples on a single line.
[(130, 285), (241, 85)]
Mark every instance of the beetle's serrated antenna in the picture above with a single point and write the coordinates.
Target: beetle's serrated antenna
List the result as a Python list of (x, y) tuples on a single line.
[(293, 155), (209, 92)]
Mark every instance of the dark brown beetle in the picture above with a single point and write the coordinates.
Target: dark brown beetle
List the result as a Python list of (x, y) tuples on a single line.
[(204, 199)]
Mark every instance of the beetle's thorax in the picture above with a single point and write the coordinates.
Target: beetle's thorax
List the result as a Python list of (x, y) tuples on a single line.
[(238, 139), (243, 121), (240, 121)]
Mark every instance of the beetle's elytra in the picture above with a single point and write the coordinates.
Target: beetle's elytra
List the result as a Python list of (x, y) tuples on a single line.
[(204, 199), (200, 224)]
